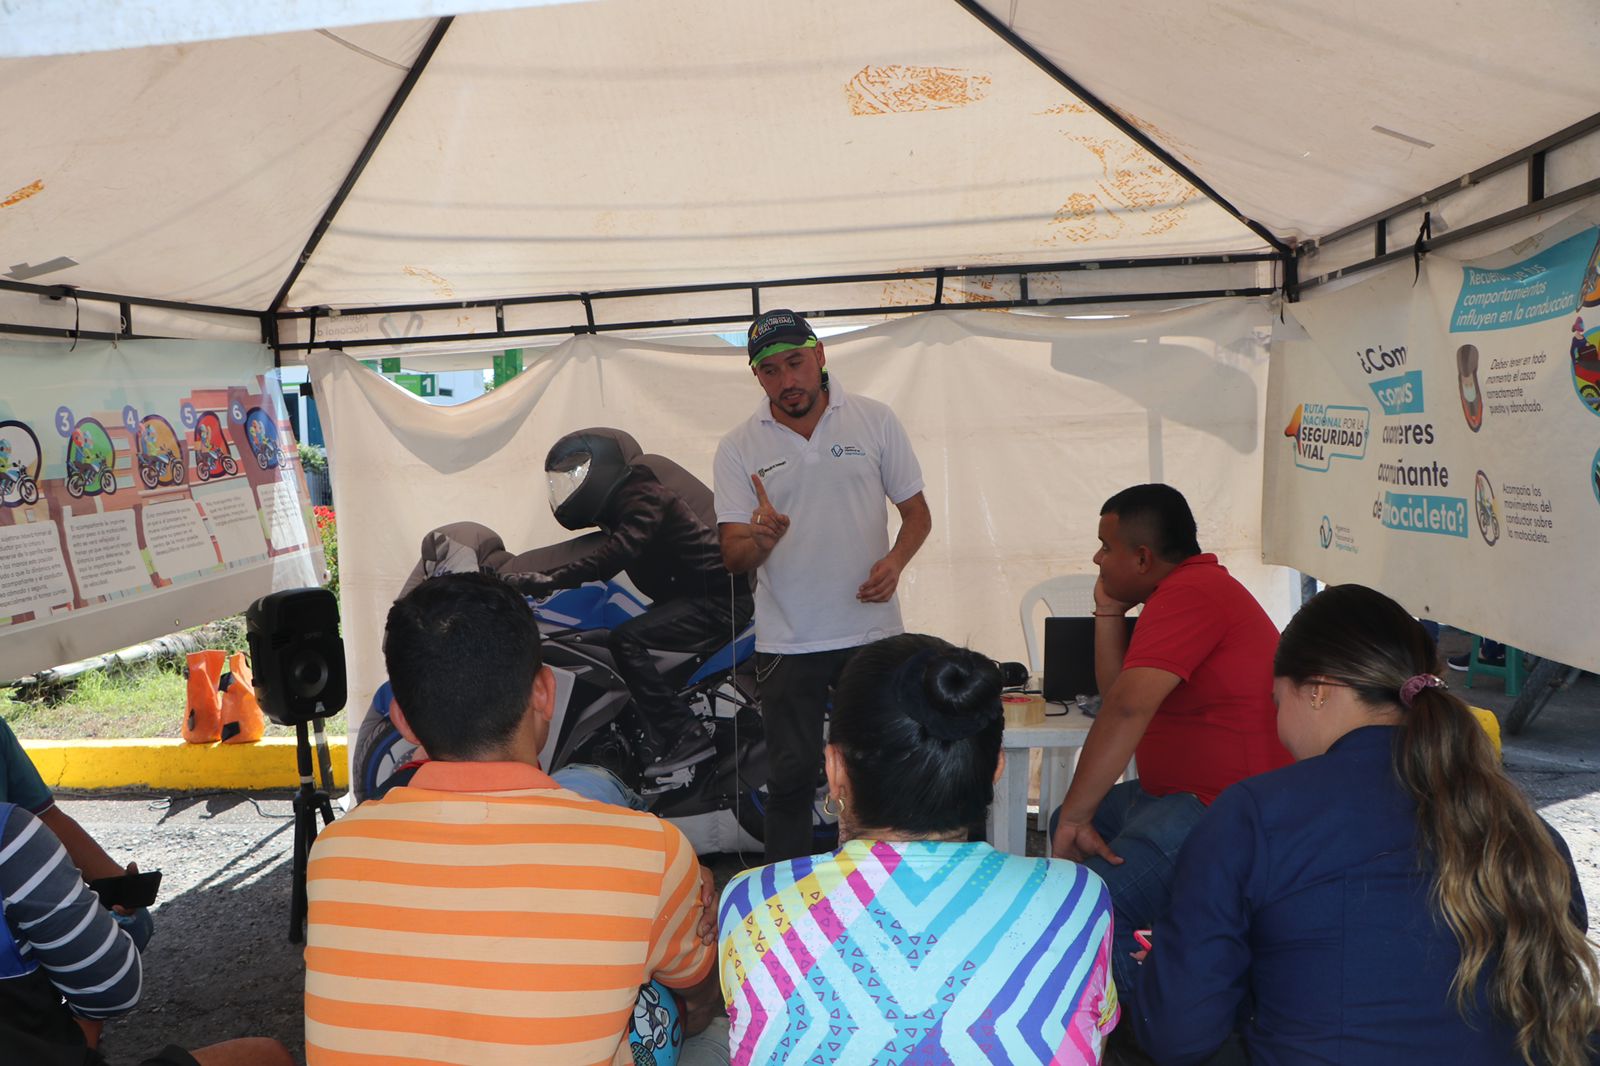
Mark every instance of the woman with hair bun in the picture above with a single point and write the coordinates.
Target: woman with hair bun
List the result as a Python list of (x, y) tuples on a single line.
[(911, 943), (1391, 897)]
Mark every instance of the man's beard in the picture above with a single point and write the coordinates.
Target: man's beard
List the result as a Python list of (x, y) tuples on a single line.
[(805, 403)]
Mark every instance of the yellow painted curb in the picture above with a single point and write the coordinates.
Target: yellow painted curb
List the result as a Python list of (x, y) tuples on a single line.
[(174, 765)]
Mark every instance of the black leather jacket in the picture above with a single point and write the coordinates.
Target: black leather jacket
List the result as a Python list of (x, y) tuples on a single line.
[(653, 534)]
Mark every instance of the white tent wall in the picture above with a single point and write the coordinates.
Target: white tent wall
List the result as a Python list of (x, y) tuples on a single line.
[(1023, 426)]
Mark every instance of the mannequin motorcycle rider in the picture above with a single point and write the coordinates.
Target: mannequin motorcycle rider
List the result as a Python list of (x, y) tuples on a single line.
[(669, 553)]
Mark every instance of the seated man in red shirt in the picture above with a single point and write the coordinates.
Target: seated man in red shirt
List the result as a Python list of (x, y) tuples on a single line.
[(1190, 694)]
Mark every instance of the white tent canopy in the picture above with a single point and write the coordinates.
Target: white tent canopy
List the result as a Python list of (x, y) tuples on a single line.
[(521, 160)]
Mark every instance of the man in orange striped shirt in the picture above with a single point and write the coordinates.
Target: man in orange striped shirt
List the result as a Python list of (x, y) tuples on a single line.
[(482, 914)]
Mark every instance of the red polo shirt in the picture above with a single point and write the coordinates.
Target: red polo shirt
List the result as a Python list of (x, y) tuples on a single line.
[(1219, 725)]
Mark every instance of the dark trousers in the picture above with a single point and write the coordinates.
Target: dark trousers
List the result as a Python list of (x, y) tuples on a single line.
[(794, 702), (693, 624)]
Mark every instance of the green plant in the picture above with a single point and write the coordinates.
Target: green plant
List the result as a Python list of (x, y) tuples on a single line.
[(313, 458)]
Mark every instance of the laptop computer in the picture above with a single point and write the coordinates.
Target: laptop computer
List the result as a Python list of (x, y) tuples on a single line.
[(1069, 657)]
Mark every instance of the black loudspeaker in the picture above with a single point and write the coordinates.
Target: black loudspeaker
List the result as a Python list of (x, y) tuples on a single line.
[(297, 655)]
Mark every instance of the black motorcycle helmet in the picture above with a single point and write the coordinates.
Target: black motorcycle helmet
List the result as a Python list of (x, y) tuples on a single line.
[(584, 469)]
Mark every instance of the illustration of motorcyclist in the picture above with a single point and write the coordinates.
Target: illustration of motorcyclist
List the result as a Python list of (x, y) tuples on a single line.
[(209, 453), (14, 476)]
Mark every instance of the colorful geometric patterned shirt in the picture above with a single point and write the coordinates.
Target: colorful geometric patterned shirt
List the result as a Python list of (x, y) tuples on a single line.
[(917, 952)]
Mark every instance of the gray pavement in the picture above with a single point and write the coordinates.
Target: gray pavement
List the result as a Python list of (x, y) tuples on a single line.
[(220, 964)]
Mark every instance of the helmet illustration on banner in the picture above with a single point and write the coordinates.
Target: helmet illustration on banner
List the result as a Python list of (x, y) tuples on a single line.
[(584, 469), (1467, 382)]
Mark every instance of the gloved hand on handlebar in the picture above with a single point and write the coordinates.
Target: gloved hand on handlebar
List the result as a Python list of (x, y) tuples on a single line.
[(534, 584)]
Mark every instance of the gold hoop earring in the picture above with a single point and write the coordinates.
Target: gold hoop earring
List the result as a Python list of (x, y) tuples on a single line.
[(836, 811), (1317, 698)]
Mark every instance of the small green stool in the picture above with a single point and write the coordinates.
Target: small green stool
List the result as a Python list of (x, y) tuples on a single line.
[(1510, 674)]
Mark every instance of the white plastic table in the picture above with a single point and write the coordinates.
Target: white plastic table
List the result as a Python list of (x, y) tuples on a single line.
[(1058, 736)]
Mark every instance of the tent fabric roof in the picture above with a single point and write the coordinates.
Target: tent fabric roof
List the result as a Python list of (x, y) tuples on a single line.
[(614, 144), (627, 144), (188, 172), (1309, 116)]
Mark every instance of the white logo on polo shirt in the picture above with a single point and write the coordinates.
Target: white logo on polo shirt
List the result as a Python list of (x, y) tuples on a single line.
[(842, 450)]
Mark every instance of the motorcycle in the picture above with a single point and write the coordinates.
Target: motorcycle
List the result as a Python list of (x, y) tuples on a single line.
[(267, 454), (205, 461), (159, 468), (18, 480), (91, 476), (719, 803), (596, 720)]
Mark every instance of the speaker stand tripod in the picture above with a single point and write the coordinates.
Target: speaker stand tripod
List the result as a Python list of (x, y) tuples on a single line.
[(307, 803)]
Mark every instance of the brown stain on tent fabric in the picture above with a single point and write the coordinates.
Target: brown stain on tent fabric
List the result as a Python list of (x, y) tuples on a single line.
[(1133, 187), (440, 286), (958, 292), (24, 193), (898, 89)]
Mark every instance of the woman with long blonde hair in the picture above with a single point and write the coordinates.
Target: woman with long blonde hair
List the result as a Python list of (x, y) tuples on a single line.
[(1389, 898)]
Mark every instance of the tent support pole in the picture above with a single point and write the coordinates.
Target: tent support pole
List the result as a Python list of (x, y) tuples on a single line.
[(75, 334), (836, 312), (755, 287), (61, 292), (368, 150), (1504, 218), (1539, 148), (1138, 136)]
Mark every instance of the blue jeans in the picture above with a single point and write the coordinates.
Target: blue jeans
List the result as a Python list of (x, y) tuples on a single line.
[(139, 925), (598, 784), (1147, 832)]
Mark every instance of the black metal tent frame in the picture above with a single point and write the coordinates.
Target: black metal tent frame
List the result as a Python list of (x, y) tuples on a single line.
[(1287, 255)]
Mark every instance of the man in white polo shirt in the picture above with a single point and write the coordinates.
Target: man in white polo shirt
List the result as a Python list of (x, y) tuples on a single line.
[(800, 491)]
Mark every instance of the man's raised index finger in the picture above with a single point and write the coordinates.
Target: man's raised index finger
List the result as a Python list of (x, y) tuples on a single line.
[(761, 491)]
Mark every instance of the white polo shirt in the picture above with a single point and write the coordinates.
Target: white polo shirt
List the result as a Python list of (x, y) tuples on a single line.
[(833, 489)]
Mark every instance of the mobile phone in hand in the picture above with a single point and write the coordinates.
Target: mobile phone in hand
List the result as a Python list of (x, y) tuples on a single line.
[(127, 890)]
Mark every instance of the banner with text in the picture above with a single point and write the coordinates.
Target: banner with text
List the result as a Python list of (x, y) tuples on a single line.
[(143, 488), (1440, 441)]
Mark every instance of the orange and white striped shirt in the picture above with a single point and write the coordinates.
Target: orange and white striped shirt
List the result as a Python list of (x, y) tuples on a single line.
[(484, 915)]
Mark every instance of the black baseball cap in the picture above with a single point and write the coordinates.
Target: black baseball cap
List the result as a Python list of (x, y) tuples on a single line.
[(778, 331)]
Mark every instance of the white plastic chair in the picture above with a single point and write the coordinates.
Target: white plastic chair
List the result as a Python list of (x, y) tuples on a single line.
[(1069, 595)]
